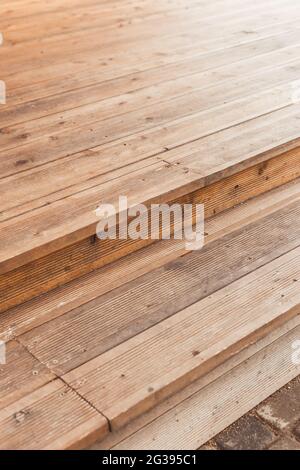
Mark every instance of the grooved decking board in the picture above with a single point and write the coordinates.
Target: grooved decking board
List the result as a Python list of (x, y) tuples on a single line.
[(21, 374), (113, 318), (68, 263), (53, 417), (179, 399), (176, 101), (134, 376), (197, 419), (80, 291)]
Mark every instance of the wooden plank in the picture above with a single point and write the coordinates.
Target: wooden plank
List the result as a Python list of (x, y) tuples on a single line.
[(21, 374), (27, 316), (53, 417), (136, 428), (197, 419), (133, 377), (43, 227), (84, 256), (121, 314)]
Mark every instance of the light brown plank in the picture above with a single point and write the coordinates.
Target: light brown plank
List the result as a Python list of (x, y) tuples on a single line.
[(186, 92), (79, 258), (27, 190), (73, 218), (84, 256), (24, 88)]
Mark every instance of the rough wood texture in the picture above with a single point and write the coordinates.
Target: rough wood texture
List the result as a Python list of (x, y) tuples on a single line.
[(43, 274), (21, 374)]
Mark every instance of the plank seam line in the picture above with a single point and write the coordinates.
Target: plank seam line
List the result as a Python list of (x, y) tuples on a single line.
[(129, 172), (293, 142), (56, 376), (151, 16), (244, 222), (157, 155)]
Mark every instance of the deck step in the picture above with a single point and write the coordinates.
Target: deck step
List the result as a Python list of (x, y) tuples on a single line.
[(51, 417), (112, 318), (112, 336), (46, 248), (101, 282), (129, 379)]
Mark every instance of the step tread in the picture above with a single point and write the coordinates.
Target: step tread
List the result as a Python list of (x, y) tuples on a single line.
[(100, 334), (66, 264), (132, 377), (278, 208), (52, 227), (21, 374)]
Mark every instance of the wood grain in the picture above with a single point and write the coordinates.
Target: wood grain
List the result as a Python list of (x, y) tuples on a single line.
[(77, 259)]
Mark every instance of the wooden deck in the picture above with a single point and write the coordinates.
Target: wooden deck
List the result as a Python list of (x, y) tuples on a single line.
[(176, 100)]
